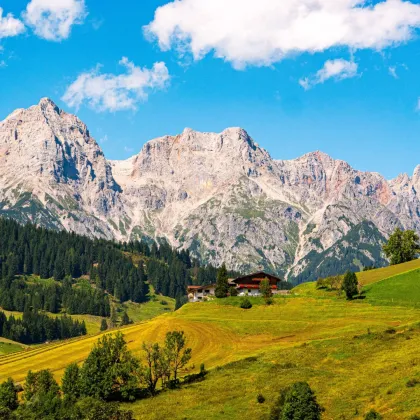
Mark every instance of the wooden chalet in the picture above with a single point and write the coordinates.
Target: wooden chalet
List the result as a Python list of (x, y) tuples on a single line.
[(250, 284)]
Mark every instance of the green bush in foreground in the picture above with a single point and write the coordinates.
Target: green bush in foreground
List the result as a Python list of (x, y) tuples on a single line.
[(246, 303)]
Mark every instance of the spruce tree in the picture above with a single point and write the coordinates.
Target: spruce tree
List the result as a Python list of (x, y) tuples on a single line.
[(104, 325), (350, 285), (222, 284)]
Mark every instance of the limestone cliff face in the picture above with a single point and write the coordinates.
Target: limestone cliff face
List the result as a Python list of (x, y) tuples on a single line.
[(219, 195), (50, 167)]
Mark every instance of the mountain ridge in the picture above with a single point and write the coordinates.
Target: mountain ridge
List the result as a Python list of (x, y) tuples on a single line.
[(218, 194)]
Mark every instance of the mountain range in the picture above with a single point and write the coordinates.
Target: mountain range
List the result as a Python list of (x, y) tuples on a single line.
[(221, 196)]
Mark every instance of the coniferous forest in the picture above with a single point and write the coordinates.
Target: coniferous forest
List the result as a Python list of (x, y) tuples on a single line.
[(27, 251)]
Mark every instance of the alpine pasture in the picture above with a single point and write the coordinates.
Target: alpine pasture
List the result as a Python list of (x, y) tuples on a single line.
[(356, 355)]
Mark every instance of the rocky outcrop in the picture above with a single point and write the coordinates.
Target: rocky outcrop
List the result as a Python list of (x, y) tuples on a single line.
[(219, 195)]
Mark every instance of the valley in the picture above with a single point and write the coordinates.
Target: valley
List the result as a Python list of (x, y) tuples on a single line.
[(355, 354)]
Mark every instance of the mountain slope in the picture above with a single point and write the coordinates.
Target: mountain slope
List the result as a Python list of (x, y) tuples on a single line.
[(219, 195)]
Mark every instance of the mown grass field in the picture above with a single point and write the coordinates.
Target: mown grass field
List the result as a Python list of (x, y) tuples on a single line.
[(355, 355)]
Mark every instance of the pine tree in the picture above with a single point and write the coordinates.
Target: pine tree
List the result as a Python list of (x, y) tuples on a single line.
[(104, 325), (350, 285), (222, 284)]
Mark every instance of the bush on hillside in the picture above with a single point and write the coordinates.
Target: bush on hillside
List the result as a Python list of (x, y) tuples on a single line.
[(260, 398), (297, 402), (373, 415), (246, 303)]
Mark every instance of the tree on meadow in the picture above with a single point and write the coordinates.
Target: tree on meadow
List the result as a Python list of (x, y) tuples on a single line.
[(296, 403), (350, 285), (104, 325), (176, 352), (222, 283), (110, 369), (402, 246), (265, 290)]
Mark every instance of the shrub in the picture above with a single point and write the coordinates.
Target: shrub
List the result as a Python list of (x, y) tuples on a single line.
[(260, 398), (412, 383), (373, 415), (297, 403), (233, 291), (246, 303), (163, 302)]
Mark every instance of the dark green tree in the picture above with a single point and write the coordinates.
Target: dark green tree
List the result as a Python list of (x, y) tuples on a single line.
[(300, 403), (40, 383), (71, 383), (402, 246), (222, 283), (104, 325), (110, 369), (265, 290), (233, 291), (8, 395), (350, 285), (125, 320)]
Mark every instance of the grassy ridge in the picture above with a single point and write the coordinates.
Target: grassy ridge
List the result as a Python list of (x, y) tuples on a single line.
[(373, 276)]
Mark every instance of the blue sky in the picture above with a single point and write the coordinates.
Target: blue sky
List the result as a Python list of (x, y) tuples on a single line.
[(361, 107)]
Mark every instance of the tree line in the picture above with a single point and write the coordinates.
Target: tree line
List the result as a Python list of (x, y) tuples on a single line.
[(29, 250), (35, 328)]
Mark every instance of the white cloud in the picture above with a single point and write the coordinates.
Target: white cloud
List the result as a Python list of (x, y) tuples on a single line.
[(110, 92), (333, 69), (10, 26), (418, 105), (393, 72), (261, 32), (104, 139), (128, 149), (53, 19)]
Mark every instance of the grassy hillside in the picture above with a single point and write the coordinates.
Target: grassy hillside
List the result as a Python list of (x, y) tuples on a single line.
[(355, 355), (298, 338), (400, 290)]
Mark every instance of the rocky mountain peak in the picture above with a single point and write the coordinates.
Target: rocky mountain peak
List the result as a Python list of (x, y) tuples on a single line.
[(218, 194)]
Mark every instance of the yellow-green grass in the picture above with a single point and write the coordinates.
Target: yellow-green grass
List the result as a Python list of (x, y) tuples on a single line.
[(150, 309), (9, 346), (220, 334), (349, 375), (372, 276), (400, 290), (364, 277)]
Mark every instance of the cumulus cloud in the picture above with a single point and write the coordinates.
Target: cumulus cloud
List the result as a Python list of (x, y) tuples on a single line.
[(10, 26), (333, 69), (110, 92), (261, 32), (53, 19)]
